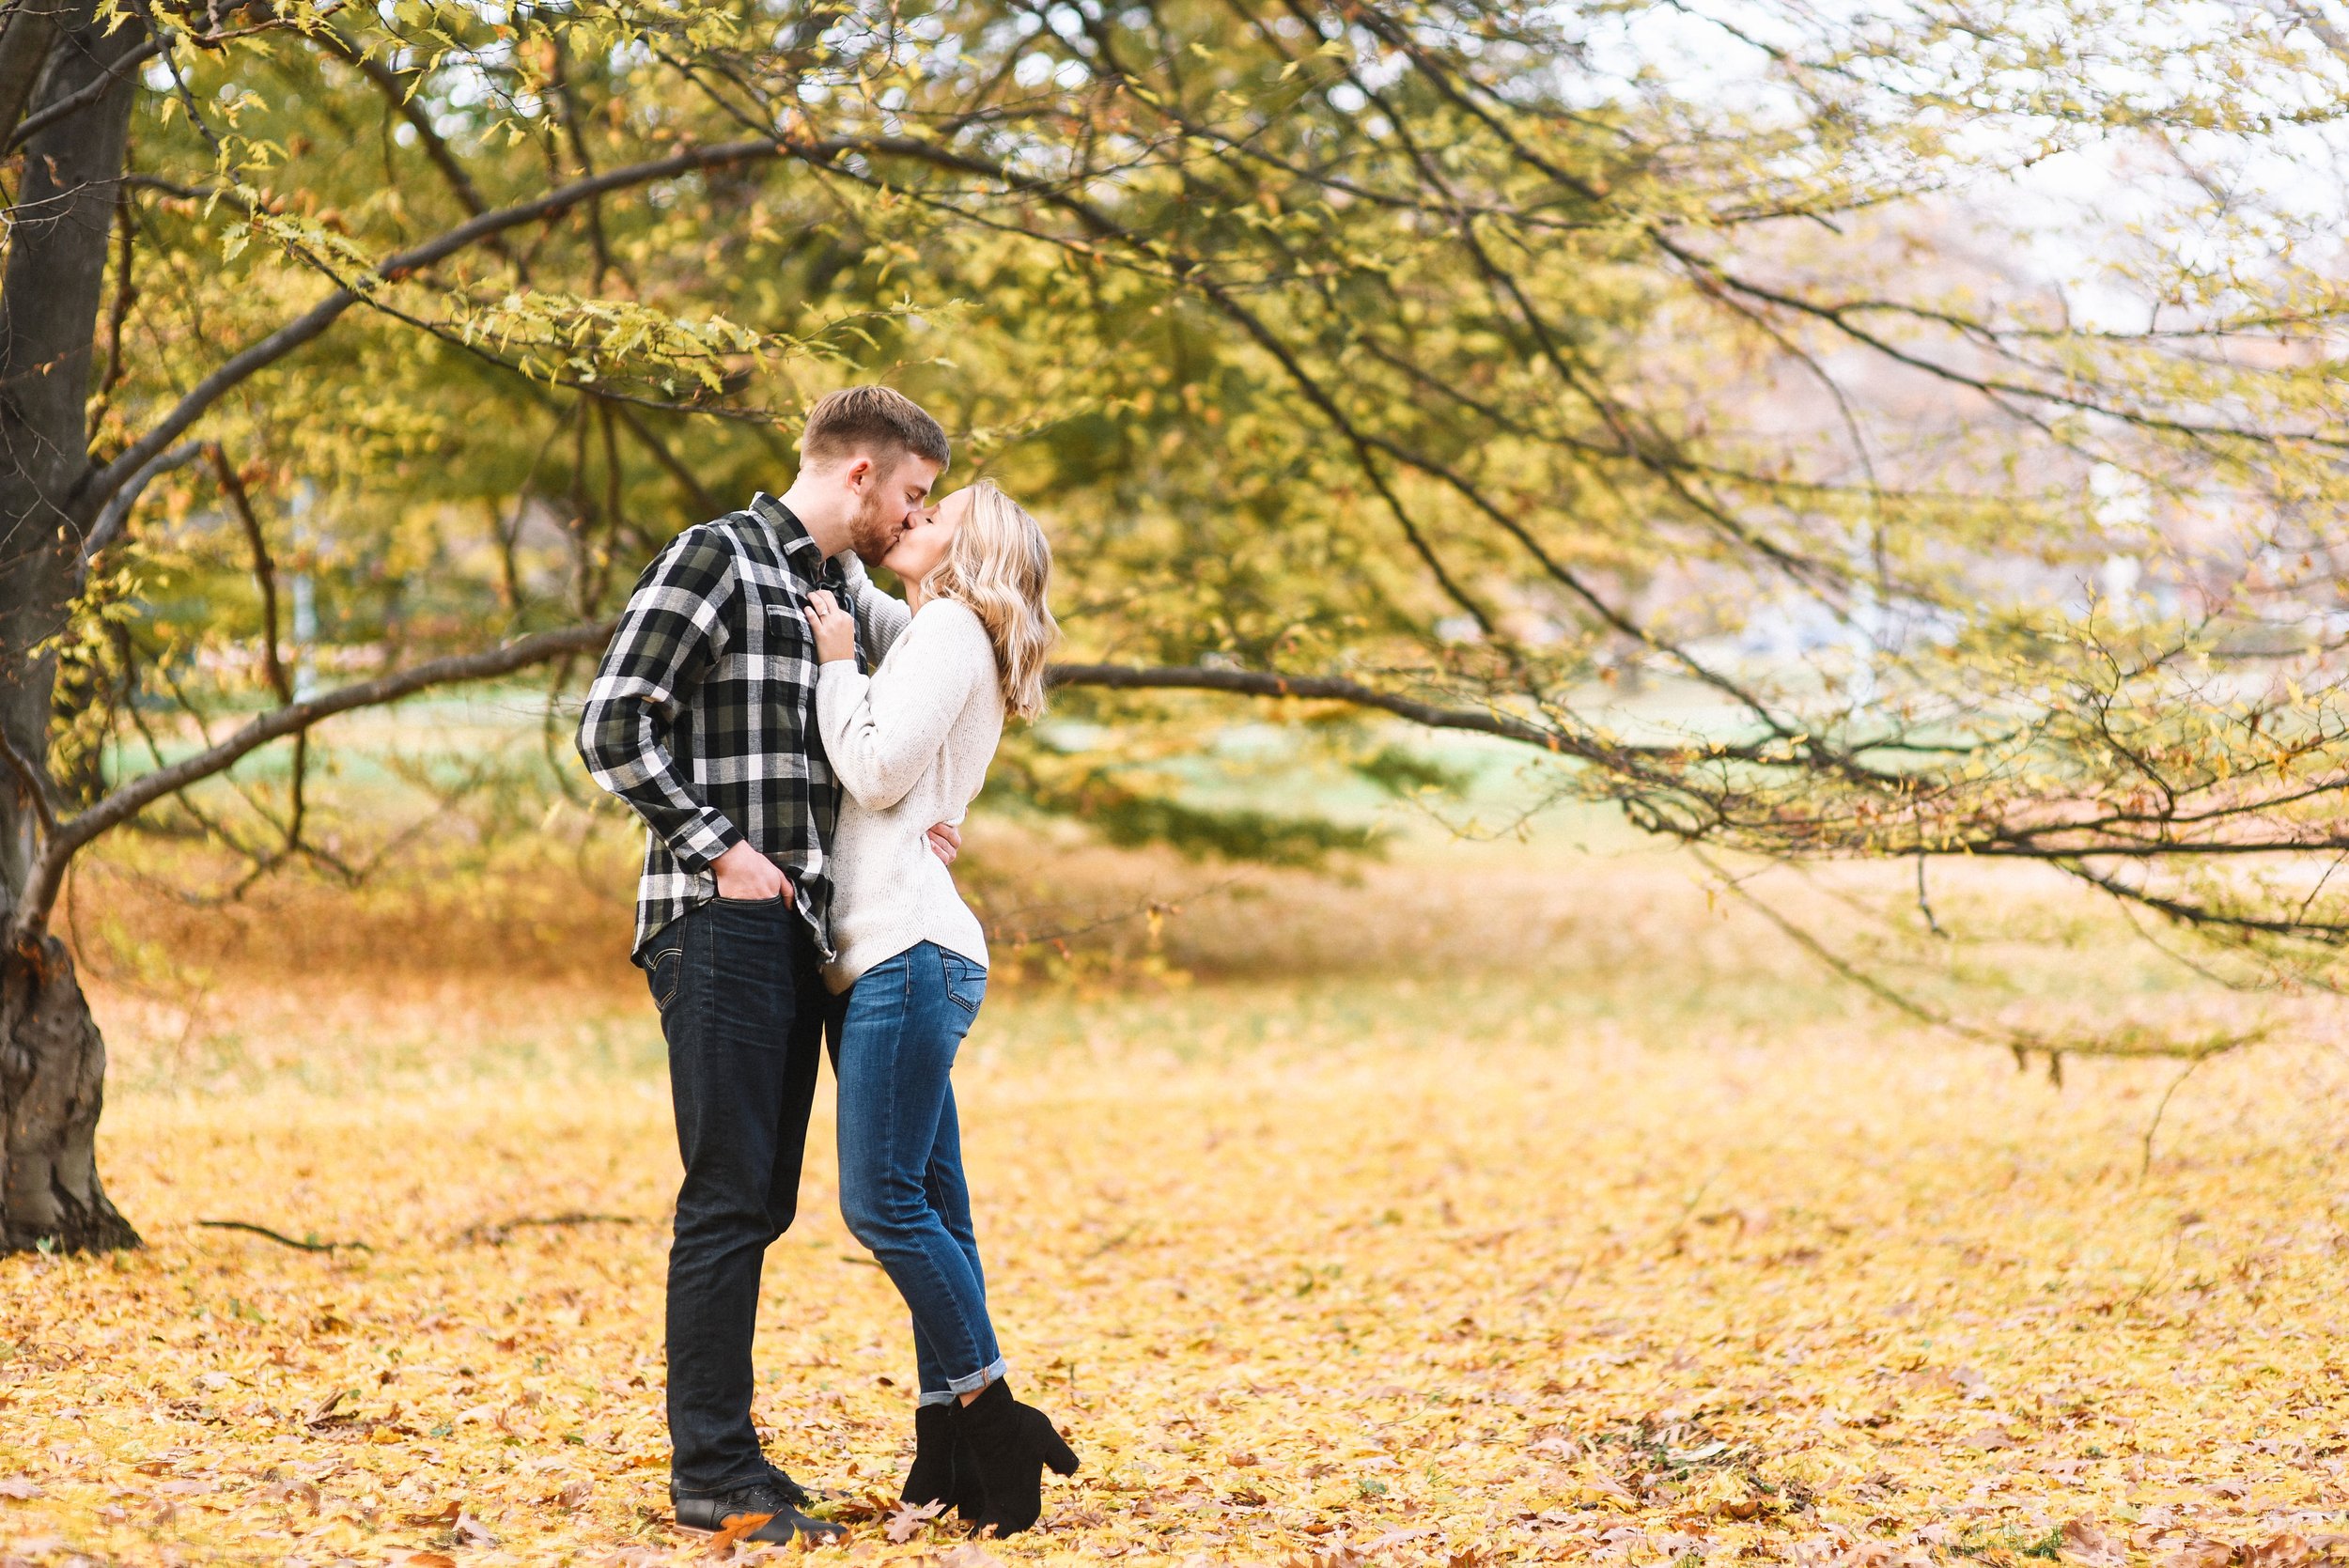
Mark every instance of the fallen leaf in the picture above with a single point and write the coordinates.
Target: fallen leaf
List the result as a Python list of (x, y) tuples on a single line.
[(1503, 1452), (2197, 1552), (966, 1555), (906, 1521), (19, 1487), (2283, 1551), (735, 1528), (2088, 1544), (1396, 1538), (1868, 1553)]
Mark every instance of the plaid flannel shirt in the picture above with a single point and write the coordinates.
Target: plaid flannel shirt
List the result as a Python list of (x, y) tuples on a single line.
[(702, 716)]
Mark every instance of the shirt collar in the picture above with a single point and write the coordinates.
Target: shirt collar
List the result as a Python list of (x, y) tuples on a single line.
[(797, 542)]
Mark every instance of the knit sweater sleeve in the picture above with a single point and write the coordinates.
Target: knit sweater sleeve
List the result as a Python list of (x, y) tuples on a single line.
[(882, 731), (881, 620)]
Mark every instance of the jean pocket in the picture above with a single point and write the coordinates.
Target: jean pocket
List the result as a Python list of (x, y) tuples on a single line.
[(663, 973), (966, 982)]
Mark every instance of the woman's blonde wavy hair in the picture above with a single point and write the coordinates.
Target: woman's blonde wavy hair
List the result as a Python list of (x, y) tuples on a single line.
[(1000, 566)]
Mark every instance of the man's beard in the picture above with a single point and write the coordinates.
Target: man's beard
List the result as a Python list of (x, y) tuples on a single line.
[(873, 532)]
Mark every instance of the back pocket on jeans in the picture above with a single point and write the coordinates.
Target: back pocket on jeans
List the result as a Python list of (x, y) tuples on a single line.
[(663, 973), (966, 982)]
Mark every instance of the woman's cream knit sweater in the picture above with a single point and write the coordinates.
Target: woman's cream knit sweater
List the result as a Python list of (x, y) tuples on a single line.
[(910, 744)]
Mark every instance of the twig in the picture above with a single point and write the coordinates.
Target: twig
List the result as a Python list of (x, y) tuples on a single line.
[(2016, 1041), (265, 577), (1155, 909), (1120, 1240), (2020, 1041), (284, 1240), (264, 565), (495, 1232), (2145, 1165), (1924, 904)]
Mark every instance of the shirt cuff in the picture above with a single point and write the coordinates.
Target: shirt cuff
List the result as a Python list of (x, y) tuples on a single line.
[(705, 836)]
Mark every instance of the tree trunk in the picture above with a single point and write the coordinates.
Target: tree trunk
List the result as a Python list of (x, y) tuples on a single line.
[(52, 1062), (53, 1084)]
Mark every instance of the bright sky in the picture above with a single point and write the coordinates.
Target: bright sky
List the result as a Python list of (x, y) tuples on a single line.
[(2079, 207)]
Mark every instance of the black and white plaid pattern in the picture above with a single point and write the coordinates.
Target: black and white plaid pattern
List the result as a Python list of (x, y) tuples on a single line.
[(702, 713)]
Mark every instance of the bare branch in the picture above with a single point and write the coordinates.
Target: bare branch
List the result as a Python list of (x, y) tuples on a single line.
[(31, 783), (122, 804), (1256, 683), (264, 569), (116, 516), (2019, 1041)]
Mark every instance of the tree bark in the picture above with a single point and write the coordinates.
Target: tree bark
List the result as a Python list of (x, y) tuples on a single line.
[(52, 1085), (53, 1061)]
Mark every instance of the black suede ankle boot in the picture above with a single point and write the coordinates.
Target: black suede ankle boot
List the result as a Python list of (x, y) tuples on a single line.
[(970, 1490), (932, 1476), (1010, 1444)]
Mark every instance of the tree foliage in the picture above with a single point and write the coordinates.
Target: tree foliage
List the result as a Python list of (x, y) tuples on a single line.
[(1671, 388)]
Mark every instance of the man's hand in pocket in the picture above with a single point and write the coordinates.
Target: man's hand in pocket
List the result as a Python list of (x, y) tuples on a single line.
[(746, 875)]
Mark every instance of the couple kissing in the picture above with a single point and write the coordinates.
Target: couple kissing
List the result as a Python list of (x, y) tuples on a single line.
[(800, 747)]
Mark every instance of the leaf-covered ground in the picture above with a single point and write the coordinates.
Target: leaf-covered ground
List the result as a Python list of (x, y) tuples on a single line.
[(1383, 1268)]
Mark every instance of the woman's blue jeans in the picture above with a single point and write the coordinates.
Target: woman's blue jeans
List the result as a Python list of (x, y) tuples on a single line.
[(901, 1184)]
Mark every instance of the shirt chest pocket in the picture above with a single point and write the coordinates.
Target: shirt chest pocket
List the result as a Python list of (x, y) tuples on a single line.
[(786, 643)]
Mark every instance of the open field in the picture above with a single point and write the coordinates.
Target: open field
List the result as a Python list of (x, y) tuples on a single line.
[(1500, 1203)]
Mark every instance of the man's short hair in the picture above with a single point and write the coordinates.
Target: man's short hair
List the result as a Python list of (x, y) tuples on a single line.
[(878, 420)]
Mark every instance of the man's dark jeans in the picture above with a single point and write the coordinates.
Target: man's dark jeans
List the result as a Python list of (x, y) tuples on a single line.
[(742, 1003)]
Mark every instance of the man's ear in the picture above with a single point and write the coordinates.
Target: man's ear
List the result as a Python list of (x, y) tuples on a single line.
[(858, 474)]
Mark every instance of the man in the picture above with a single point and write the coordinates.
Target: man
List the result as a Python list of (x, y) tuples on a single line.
[(703, 718)]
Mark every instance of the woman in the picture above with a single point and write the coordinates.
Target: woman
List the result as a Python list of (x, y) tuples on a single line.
[(910, 744)]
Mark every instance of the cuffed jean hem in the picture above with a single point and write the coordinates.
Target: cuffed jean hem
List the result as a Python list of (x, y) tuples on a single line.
[(957, 1387)]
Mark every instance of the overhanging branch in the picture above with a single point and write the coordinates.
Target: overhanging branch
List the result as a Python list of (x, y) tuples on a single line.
[(1257, 683), (122, 804), (259, 356), (303, 329), (64, 839)]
